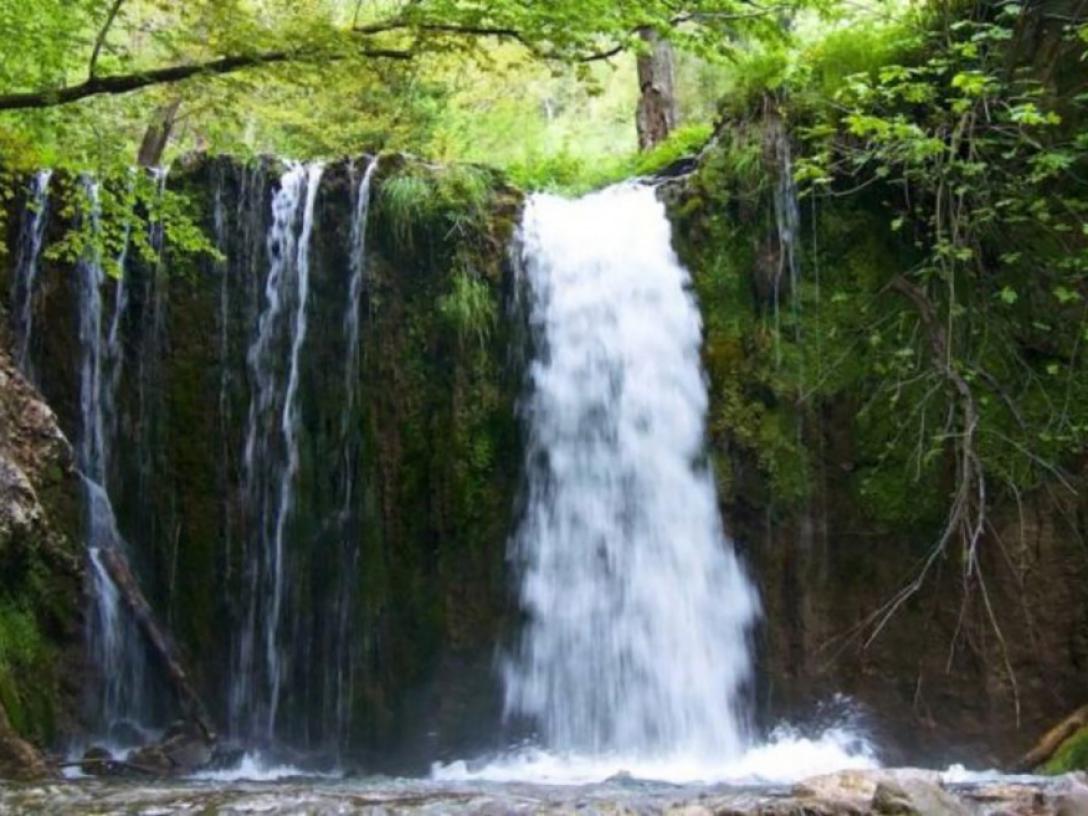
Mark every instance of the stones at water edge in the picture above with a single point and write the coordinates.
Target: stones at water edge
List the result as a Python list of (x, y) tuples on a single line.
[(183, 750), (917, 796), (891, 791)]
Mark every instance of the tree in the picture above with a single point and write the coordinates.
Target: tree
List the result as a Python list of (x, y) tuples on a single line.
[(656, 116), (141, 44)]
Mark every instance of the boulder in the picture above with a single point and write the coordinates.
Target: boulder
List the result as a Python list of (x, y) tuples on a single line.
[(151, 760), (98, 761), (186, 753), (859, 785), (916, 797), (18, 758)]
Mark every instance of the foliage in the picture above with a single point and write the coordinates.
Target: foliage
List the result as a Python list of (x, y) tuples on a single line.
[(469, 308), (576, 174), (944, 260), (130, 215), (422, 201), (985, 196)]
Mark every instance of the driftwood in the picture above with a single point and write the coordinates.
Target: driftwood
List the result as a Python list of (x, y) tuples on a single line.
[(108, 765), (121, 574), (1052, 740)]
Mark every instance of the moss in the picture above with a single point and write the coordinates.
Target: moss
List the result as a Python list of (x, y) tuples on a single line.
[(28, 683), (1071, 756)]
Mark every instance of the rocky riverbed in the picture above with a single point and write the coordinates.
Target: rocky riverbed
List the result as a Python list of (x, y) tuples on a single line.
[(900, 791)]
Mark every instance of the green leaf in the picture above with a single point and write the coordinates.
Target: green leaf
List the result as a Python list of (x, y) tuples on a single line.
[(1065, 295)]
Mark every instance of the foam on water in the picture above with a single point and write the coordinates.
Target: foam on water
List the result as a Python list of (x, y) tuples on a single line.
[(784, 759), (255, 767)]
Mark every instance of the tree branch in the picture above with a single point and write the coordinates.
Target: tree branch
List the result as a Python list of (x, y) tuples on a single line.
[(100, 40), (126, 83)]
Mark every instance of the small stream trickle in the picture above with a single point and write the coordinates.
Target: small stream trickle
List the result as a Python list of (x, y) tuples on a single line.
[(31, 236)]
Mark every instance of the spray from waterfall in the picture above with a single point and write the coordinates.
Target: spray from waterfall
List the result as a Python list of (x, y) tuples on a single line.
[(31, 237), (271, 454), (638, 612)]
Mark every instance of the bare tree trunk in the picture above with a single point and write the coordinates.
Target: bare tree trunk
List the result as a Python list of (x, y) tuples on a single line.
[(161, 644), (656, 115), (157, 135), (1052, 741)]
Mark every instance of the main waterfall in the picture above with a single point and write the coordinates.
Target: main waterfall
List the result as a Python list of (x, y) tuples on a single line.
[(636, 642)]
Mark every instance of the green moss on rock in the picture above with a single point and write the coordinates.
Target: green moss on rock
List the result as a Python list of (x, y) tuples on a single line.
[(1071, 756)]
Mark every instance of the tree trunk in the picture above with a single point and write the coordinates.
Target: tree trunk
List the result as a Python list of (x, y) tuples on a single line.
[(121, 575), (1052, 740), (157, 135), (656, 115)]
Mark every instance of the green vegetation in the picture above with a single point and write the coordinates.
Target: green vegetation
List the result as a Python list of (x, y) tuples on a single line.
[(1072, 755), (26, 682), (469, 308), (928, 349), (939, 320)]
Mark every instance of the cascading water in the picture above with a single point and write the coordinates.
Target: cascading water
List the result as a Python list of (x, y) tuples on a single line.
[(271, 455), (636, 643), (635, 653), (31, 236), (341, 651), (114, 642)]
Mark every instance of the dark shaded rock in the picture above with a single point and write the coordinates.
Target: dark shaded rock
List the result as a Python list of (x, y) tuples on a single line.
[(98, 761), (150, 760), (18, 758), (916, 797), (187, 752)]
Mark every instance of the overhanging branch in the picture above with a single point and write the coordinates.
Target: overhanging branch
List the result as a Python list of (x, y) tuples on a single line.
[(126, 83)]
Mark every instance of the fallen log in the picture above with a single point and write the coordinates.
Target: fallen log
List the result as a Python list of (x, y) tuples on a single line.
[(1052, 740), (119, 572)]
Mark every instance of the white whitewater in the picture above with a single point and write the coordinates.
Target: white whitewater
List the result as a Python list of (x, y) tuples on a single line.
[(638, 609), (635, 653), (271, 457), (31, 237)]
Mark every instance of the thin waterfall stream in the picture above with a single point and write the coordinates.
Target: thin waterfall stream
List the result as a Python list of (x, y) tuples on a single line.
[(31, 237), (115, 643), (271, 456)]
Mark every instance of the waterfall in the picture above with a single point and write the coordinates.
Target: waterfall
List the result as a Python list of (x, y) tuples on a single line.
[(271, 455), (341, 649), (31, 236), (638, 611), (358, 278), (787, 214), (114, 642), (787, 217), (114, 359)]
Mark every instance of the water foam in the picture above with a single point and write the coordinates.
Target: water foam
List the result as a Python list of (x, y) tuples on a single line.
[(784, 759)]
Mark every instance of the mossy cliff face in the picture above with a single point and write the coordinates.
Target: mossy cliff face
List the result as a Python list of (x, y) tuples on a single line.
[(395, 553), (40, 577), (825, 487)]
